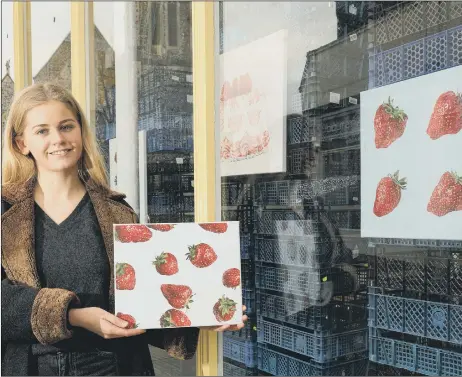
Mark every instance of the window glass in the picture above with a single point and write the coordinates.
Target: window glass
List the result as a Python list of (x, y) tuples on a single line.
[(164, 119), (339, 126), (7, 68)]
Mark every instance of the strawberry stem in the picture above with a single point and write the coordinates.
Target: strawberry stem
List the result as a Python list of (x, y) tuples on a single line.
[(399, 182), (395, 112), (457, 178)]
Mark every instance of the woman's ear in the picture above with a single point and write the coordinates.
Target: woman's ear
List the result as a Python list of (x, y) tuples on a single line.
[(20, 143)]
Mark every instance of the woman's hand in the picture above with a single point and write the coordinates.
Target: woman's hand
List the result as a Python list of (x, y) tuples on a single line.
[(101, 322), (228, 327)]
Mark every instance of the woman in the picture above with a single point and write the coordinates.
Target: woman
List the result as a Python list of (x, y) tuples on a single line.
[(57, 250)]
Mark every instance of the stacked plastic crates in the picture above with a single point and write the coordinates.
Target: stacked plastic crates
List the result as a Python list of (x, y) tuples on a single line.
[(415, 303), (311, 307), (239, 347)]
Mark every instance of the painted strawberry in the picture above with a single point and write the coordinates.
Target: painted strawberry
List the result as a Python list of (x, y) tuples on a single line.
[(446, 118), (131, 321), (225, 91), (447, 195), (389, 124), (201, 255), (133, 233), (125, 277), (224, 309), (179, 296), (215, 227), (232, 278), (388, 194), (174, 318), (162, 227), (166, 264), (245, 84)]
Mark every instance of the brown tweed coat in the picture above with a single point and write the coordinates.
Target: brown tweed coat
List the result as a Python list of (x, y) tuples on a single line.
[(48, 317)]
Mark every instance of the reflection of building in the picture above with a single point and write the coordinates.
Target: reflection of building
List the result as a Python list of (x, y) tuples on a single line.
[(7, 94)]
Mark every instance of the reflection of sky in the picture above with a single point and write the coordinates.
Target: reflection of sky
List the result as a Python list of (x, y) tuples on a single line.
[(50, 24), (309, 24)]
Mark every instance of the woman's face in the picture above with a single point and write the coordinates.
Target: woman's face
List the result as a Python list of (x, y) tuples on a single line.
[(53, 136)]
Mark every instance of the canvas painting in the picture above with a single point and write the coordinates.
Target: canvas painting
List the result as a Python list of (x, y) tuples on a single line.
[(253, 107), (178, 275), (411, 158)]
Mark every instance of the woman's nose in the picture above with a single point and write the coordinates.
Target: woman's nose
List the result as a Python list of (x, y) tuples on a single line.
[(57, 137)]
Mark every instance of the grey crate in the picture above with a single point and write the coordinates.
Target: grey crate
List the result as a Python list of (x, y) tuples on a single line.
[(242, 351), (284, 193), (234, 370), (416, 317), (317, 345), (414, 357)]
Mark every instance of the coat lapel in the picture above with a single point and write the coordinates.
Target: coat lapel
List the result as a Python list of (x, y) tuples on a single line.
[(18, 234)]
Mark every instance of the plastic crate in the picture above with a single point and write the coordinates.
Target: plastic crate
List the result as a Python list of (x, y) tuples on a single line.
[(248, 332), (234, 193), (242, 351), (279, 364), (417, 317), (247, 274), (420, 273), (342, 163), (429, 54), (298, 131), (414, 357), (298, 161), (284, 193), (321, 347), (248, 299), (244, 214), (341, 124), (315, 285), (247, 247), (387, 370), (288, 223), (342, 313), (230, 369), (163, 204)]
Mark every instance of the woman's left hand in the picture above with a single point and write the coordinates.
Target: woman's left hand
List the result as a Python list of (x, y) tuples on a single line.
[(228, 327)]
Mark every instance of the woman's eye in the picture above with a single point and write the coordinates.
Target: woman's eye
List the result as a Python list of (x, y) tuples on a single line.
[(41, 132), (68, 127)]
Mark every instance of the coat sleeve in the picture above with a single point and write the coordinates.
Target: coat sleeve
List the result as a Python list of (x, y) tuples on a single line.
[(179, 343), (34, 315)]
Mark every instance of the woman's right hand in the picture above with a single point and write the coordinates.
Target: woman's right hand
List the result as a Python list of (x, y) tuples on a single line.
[(101, 322)]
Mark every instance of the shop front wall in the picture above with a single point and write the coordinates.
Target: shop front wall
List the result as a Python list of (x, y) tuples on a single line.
[(340, 136)]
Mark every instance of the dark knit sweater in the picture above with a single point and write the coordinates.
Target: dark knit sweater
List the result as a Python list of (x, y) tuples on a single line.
[(72, 256)]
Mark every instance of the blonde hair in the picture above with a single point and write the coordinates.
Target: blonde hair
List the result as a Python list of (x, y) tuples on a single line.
[(17, 169)]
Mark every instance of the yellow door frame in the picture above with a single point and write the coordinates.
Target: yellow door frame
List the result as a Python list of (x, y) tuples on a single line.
[(83, 71), (22, 45), (203, 51)]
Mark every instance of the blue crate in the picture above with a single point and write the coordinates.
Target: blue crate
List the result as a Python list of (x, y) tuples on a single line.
[(247, 249), (279, 364), (234, 370), (429, 54), (242, 351), (320, 346), (416, 317), (248, 299), (342, 313), (248, 332), (414, 357)]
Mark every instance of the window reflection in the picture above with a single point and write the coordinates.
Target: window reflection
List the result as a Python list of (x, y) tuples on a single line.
[(323, 299)]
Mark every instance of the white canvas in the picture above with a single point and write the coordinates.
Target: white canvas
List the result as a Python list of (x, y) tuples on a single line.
[(253, 106), (144, 300), (419, 158)]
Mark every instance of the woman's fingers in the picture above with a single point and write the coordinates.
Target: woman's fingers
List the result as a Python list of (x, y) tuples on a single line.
[(110, 330), (111, 318)]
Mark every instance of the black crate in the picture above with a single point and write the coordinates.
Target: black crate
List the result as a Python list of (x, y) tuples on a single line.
[(247, 274), (248, 332), (235, 193), (234, 368), (244, 214)]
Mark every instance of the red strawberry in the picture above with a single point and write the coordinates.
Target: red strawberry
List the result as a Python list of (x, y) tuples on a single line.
[(125, 277), (166, 264), (201, 255), (162, 227), (245, 84), (179, 296), (133, 233), (127, 317), (174, 318), (215, 227), (447, 195), (388, 194), (389, 124), (447, 115), (224, 309), (232, 278)]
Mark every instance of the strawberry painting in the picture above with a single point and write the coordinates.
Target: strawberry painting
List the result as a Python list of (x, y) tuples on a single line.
[(232, 278), (127, 317), (125, 277), (133, 233), (447, 195), (178, 296), (166, 264), (201, 255), (388, 194), (446, 118), (174, 318), (224, 309), (215, 227), (162, 227), (389, 124)]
